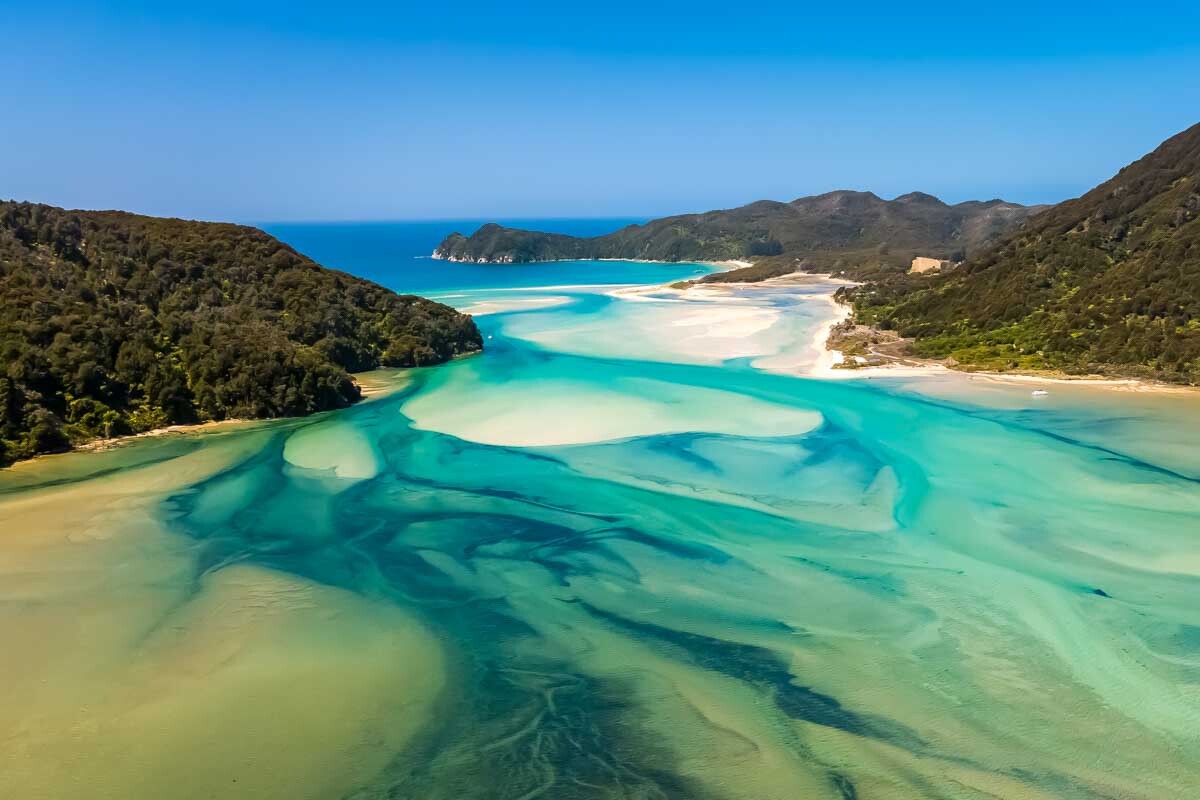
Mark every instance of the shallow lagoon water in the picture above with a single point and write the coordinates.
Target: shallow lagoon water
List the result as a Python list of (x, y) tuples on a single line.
[(601, 561)]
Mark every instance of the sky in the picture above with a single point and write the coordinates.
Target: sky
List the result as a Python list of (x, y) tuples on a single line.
[(440, 110)]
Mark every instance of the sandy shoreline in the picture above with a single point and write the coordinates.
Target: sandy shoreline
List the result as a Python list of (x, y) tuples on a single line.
[(827, 361), (827, 358), (101, 445), (371, 388), (1117, 384), (927, 368), (199, 427)]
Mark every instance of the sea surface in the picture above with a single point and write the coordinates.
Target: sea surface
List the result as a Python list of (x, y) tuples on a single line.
[(645, 546)]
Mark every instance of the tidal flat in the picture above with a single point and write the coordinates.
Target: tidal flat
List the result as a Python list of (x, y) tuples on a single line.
[(630, 551)]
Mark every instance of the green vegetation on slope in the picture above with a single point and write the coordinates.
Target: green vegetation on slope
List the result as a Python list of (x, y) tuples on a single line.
[(113, 323), (853, 233), (1107, 283)]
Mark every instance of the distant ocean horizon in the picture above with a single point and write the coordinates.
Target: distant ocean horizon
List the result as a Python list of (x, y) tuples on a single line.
[(397, 254)]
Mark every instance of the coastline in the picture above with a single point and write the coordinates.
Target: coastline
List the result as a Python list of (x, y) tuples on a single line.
[(103, 445), (372, 387), (99, 445), (828, 359), (928, 367), (1116, 384)]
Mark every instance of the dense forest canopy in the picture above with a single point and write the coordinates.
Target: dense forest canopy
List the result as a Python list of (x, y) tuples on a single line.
[(1105, 283), (112, 323), (848, 232)]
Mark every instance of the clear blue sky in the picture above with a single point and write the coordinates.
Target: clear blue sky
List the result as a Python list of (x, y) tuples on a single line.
[(362, 110)]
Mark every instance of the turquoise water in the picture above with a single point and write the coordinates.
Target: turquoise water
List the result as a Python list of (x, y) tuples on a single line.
[(631, 551)]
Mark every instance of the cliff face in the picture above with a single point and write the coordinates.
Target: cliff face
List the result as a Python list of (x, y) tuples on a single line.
[(844, 229), (113, 323)]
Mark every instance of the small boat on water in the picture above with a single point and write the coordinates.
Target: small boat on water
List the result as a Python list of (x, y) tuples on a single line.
[(1039, 393)]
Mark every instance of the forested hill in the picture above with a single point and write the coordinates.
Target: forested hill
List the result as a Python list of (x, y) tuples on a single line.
[(1106, 283), (112, 323), (840, 231)]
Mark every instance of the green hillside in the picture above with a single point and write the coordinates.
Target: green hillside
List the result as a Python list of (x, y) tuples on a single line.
[(113, 323), (1105, 283), (854, 233)]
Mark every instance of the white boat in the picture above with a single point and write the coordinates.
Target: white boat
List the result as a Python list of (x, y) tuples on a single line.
[(1039, 393)]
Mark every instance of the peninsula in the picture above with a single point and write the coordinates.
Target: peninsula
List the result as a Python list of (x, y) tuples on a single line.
[(113, 323)]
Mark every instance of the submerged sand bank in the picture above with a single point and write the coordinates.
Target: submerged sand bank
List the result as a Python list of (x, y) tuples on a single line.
[(482, 308), (152, 672)]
